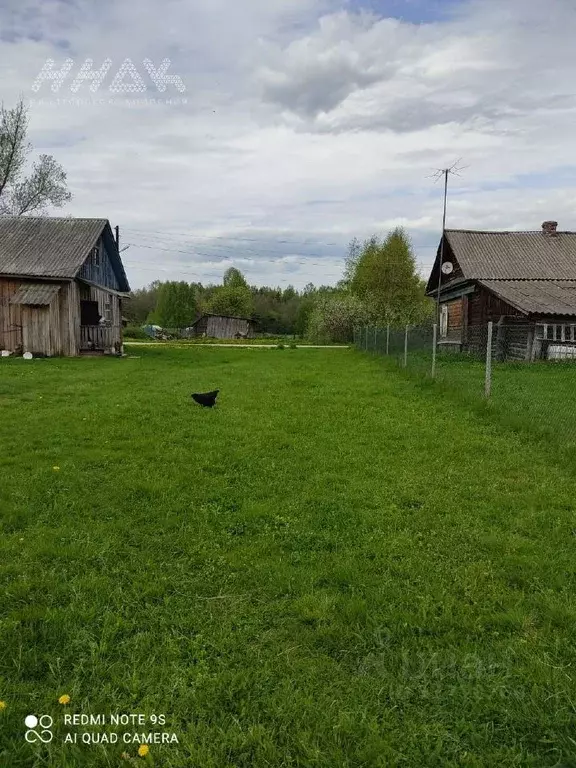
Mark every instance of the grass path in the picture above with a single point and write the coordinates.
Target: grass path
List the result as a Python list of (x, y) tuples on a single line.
[(329, 569)]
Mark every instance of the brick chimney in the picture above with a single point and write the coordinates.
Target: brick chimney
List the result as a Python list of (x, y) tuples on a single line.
[(549, 228)]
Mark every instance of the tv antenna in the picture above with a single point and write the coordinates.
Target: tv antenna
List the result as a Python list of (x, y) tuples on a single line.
[(443, 173)]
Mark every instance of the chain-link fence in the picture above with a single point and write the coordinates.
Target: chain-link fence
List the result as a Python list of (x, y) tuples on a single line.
[(524, 373)]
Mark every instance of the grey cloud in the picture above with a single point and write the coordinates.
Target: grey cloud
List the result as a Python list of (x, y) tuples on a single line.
[(319, 86)]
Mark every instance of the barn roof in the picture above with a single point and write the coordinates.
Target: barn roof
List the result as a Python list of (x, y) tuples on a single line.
[(35, 294), (48, 247), (541, 297), (514, 255)]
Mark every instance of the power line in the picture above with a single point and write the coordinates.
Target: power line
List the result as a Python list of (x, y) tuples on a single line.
[(309, 241), (211, 255)]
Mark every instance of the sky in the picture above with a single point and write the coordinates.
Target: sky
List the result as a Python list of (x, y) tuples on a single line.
[(291, 126)]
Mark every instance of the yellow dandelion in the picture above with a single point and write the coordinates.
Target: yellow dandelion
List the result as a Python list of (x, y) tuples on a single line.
[(56, 469), (143, 750), (2, 705), (65, 699)]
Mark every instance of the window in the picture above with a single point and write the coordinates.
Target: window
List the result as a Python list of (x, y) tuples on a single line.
[(108, 311), (444, 321), (96, 256)]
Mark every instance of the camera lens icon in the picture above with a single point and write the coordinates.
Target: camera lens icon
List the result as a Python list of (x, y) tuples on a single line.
[(44, 722)]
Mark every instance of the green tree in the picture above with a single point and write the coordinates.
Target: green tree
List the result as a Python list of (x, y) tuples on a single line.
[(141, 304), (227, 300), (233, 278), (289, 293), (383, 275), (335, 316), (176, 305), (302, 321), (233, 297)]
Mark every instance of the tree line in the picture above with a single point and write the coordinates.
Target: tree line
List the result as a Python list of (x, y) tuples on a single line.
[(380, 286)]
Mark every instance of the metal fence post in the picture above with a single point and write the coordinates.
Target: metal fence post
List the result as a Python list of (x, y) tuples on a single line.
[(366, 338), (488, 385), (388, 339), (434, 340), (406, 347), (375, 340)]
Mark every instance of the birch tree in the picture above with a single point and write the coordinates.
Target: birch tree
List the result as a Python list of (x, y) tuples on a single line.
[(44, 186)]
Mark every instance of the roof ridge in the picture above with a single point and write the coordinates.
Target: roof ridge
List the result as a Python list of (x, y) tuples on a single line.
[(525, 279), (54, 218), (509, 231)]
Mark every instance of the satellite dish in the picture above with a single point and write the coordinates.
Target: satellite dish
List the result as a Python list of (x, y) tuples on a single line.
[(27, 355), (447, 268)]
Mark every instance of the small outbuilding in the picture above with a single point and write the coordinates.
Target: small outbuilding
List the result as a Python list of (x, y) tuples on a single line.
[(223, 327)]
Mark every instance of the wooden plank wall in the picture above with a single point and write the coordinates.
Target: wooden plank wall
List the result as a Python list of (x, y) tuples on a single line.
[(36, 335), (48, 330), (516, 340), (10, 316), (227, 327), (102, 274), (454, 317), (104, 298), (70, 319)]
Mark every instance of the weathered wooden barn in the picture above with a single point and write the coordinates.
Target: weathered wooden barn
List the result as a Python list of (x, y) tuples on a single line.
[(224, 327), (62, 283), (524, 282)]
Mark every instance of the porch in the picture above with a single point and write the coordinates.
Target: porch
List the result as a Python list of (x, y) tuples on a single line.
[(101, 339)]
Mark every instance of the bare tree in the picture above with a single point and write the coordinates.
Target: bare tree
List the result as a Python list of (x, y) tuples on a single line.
[(46, 183)]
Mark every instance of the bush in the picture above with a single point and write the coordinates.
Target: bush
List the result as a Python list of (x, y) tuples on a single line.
[(292, 345), (280, 346), (135, 332)]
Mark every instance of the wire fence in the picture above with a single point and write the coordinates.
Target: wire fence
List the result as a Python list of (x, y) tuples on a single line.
[(524, 374)]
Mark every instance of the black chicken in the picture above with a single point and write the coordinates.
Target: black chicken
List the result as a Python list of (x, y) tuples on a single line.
[(206, 400)]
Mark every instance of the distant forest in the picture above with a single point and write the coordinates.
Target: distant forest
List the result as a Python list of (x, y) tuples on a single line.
[(380, 285)]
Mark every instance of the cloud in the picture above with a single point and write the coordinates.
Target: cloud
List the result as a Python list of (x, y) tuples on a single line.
[(305, 123)]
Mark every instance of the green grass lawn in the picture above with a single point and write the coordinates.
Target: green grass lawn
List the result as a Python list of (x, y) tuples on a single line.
[(334, 567), (536, 399)]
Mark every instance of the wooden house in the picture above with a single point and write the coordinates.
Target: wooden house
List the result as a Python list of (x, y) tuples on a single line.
[(223, 327), (524, 282), (61, 286)]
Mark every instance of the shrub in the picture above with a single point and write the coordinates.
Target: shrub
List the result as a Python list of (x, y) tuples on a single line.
[(280, 346), (135, 332)]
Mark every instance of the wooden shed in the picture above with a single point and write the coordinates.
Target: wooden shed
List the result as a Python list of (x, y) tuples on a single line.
[(524, 282), (62, 283), (224, 327)]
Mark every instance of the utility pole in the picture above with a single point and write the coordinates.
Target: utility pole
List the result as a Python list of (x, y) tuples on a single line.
[(117, 228)]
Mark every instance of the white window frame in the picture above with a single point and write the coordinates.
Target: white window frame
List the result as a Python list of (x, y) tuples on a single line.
[(443, 321), (96, 256)]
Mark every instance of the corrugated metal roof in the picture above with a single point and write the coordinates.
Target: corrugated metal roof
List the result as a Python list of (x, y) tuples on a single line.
[(228, 317), (514, 255), (540, 297), (46, 247), (35, 294)]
